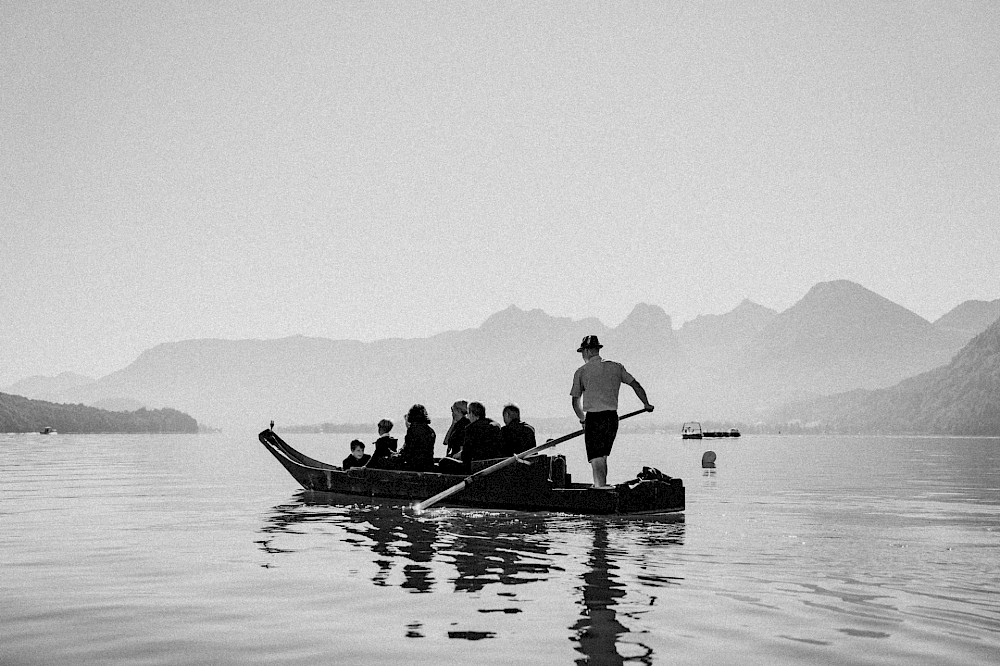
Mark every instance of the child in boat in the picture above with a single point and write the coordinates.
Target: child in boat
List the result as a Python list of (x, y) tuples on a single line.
[(358, 457), (417, 454), (385, 445)]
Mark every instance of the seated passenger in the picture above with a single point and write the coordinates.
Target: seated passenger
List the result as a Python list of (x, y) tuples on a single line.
[(358, 458), (385, 445), (454, 439), (482, 436), (417, 454), (516, 436)]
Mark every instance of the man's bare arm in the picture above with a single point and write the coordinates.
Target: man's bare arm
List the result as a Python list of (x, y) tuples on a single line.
[(641, 394)]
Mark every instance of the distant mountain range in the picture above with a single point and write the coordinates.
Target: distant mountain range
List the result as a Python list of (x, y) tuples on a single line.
[(841, 336), (722, 337), (960, 398), (970, 317), (39, 386), (838, 337)]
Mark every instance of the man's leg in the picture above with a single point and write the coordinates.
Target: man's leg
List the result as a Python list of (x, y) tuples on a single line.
[(599, 466)]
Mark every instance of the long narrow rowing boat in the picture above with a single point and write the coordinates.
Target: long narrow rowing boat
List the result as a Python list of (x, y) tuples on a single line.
[(541, 484)]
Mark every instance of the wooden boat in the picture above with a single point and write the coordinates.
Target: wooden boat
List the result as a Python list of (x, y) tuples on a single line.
[(541, 484)]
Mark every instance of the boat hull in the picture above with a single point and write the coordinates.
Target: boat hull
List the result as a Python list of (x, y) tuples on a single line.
[(540, 485)]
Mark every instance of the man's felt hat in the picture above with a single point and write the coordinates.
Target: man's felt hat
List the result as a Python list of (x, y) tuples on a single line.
[(590, 342)]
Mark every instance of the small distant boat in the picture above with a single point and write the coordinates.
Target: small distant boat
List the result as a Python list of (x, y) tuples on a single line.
[(47, 431), (691, 430)]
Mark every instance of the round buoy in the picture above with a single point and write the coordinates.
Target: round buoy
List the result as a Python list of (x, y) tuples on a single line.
[(708, 459)]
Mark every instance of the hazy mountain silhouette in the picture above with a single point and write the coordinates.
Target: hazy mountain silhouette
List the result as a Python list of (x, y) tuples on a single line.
[(960, 398), (970, 318), (716, 338), (40, 386), (712, 348), (839, 336), (118, 405), (525, 356)]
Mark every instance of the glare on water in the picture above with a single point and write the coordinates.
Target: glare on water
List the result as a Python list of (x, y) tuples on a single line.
[(201, 549)]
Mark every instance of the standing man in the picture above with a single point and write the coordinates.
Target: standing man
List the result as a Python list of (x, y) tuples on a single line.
[(595, 401)]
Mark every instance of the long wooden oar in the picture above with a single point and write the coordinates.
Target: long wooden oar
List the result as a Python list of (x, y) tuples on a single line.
[(503, 463)]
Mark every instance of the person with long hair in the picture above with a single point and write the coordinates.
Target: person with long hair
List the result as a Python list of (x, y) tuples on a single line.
[(417, 453)]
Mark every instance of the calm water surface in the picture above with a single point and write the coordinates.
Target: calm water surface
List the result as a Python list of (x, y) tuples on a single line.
[(201, 549)]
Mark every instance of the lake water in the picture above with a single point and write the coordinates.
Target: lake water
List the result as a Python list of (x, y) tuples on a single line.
[(198, 549)]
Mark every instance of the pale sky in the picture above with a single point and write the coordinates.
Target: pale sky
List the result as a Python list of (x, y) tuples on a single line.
[(176, 170)]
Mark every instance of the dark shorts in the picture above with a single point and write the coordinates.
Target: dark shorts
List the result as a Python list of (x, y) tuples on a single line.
[(599, 433)]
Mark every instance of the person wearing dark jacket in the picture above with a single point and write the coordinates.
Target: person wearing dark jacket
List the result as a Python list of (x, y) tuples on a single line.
[(358, 458), (482, 436), (385, 445), (516, 436), (454, 440), (455, 436), (417, 453)]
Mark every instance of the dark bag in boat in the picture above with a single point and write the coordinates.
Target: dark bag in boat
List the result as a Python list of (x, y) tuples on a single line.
[(651, 474)]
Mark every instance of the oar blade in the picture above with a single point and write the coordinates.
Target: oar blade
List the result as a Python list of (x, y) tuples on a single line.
[(422, 506)]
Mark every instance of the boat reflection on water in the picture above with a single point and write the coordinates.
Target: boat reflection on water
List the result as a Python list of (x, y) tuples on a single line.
[(483, 546), (383, 529), (466, 550)]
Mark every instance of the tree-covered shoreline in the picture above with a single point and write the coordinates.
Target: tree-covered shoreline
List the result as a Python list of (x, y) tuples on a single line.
[(20, 414)]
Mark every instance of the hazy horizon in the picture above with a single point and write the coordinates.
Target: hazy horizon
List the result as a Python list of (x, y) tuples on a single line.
[(354, 171)]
